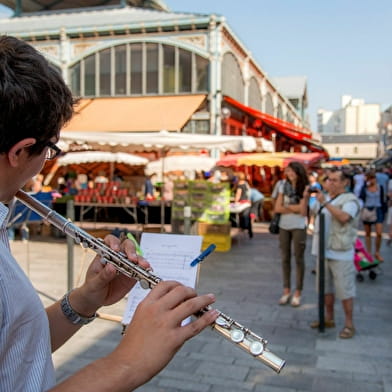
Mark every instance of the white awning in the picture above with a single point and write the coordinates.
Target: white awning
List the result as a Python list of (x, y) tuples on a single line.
[(156, 141), (180, 163), (75, 158)]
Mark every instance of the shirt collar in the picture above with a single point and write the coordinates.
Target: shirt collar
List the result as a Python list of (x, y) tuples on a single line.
[(3, 215)]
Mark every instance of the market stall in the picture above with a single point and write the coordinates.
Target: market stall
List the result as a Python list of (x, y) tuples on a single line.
[(180, 163)]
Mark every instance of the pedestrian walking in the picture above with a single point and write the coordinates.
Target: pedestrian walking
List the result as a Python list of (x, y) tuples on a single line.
[(373, 212), (256, 199)]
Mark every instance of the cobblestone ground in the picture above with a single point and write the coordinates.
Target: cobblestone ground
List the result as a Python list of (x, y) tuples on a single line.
[(247, 282)]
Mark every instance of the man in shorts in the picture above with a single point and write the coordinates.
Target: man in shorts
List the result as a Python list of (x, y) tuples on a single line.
[(341, 212)]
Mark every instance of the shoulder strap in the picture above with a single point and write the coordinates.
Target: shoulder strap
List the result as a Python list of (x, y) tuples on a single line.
[(327, 202)]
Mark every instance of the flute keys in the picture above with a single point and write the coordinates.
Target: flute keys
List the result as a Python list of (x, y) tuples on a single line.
[(222, 322), (237, 336), (256, 348), (144, 284)]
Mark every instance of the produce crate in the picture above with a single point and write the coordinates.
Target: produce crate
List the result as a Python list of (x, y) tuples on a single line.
[(222, 241), (213, 228)]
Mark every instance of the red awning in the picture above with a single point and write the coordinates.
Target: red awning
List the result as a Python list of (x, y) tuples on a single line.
[(285, 128)]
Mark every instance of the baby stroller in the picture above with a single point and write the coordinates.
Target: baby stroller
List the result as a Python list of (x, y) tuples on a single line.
[(363, 261)]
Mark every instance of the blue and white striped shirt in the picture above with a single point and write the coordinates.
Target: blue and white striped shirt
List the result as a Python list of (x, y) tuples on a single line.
[(25, 353)]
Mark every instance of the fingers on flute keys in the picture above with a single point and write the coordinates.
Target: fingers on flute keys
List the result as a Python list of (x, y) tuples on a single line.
[(183, 302)]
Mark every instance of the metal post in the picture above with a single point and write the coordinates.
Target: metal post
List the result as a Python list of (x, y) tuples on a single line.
[(70, 247), (18, 8), (187, 219), (321, 272)]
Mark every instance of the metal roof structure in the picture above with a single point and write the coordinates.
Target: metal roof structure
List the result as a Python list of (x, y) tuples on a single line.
[(25, 6), (291, 86), (85, 20)]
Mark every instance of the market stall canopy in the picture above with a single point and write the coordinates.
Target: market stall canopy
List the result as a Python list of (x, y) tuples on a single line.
[(141, 114), (336, 162), (180, 163), (77, 158), (280, 159), (94, 162), (156, 141)]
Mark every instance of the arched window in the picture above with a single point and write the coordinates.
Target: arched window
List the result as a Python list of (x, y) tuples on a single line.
[(120, 75), (289, 117), (89, 75), (152, 68), (279, 112), (232, 80), (140, 68), (269, 106), (254, 96), (104, 72)]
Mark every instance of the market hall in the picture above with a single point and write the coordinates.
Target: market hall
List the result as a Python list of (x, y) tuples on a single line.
[(154, 70)]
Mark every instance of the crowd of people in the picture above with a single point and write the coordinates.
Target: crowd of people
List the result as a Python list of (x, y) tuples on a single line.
[(346, 197)]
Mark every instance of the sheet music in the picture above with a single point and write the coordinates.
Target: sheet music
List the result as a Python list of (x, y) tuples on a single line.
[(170, 256)]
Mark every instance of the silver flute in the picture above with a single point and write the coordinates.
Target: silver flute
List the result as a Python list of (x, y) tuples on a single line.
[(224, 325)]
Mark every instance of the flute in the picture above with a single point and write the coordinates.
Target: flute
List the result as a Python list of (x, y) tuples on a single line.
[(224, 325)]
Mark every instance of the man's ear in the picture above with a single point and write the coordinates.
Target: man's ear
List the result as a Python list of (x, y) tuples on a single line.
[(18, 151)]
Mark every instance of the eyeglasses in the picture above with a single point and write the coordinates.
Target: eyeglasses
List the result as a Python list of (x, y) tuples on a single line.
[(52, 152)]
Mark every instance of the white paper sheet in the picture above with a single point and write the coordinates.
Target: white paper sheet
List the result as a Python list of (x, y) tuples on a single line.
[(170, 256)]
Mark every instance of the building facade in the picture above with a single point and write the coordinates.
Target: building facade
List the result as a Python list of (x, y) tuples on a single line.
[(353, 131), (355, 117), (131, 50)]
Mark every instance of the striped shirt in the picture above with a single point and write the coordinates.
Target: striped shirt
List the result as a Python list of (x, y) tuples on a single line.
[(25, 353)]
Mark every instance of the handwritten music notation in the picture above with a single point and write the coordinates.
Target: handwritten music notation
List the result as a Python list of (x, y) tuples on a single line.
[(170, 256)]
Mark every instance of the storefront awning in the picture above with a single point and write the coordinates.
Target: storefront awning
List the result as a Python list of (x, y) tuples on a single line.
[(285, 128), (280, 159), (142, 114)]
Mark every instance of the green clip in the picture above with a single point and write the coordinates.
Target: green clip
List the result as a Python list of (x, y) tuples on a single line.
[(139, 251)]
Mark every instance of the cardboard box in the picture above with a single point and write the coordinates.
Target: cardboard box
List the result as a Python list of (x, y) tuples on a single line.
[(213, 228)]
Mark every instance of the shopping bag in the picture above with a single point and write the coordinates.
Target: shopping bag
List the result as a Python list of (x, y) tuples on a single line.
[(369, 215), (274, 224)]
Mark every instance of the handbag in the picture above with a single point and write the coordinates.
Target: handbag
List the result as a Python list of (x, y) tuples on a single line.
[(274, 224), (369, 215)]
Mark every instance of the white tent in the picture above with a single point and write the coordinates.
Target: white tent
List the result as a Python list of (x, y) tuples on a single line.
[(75, 158), (155, 141), (180, 163), (161, 142), (92, 161)]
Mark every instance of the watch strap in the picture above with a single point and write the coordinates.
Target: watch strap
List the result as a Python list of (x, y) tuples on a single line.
[(73, 316)]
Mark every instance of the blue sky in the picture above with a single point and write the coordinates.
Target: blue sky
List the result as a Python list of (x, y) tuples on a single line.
[(341, 46)]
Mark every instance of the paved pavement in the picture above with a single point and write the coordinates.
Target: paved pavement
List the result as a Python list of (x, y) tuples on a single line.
[(247, 282)]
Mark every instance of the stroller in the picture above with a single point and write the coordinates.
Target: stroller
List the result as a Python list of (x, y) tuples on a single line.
[(363, 261)]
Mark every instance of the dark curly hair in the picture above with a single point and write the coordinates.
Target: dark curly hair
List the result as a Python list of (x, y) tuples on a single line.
[(302, 177), (34, 99)]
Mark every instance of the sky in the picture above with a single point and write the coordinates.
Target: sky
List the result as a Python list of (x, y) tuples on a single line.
[(343, 47)]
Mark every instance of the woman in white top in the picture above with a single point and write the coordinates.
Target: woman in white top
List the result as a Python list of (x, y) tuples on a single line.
[(292, 229)]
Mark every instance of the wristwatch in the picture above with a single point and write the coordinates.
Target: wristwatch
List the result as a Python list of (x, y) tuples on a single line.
[(74, 317)]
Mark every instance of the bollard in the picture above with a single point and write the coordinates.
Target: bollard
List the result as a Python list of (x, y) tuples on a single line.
[(70, 247), (321, 272)]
